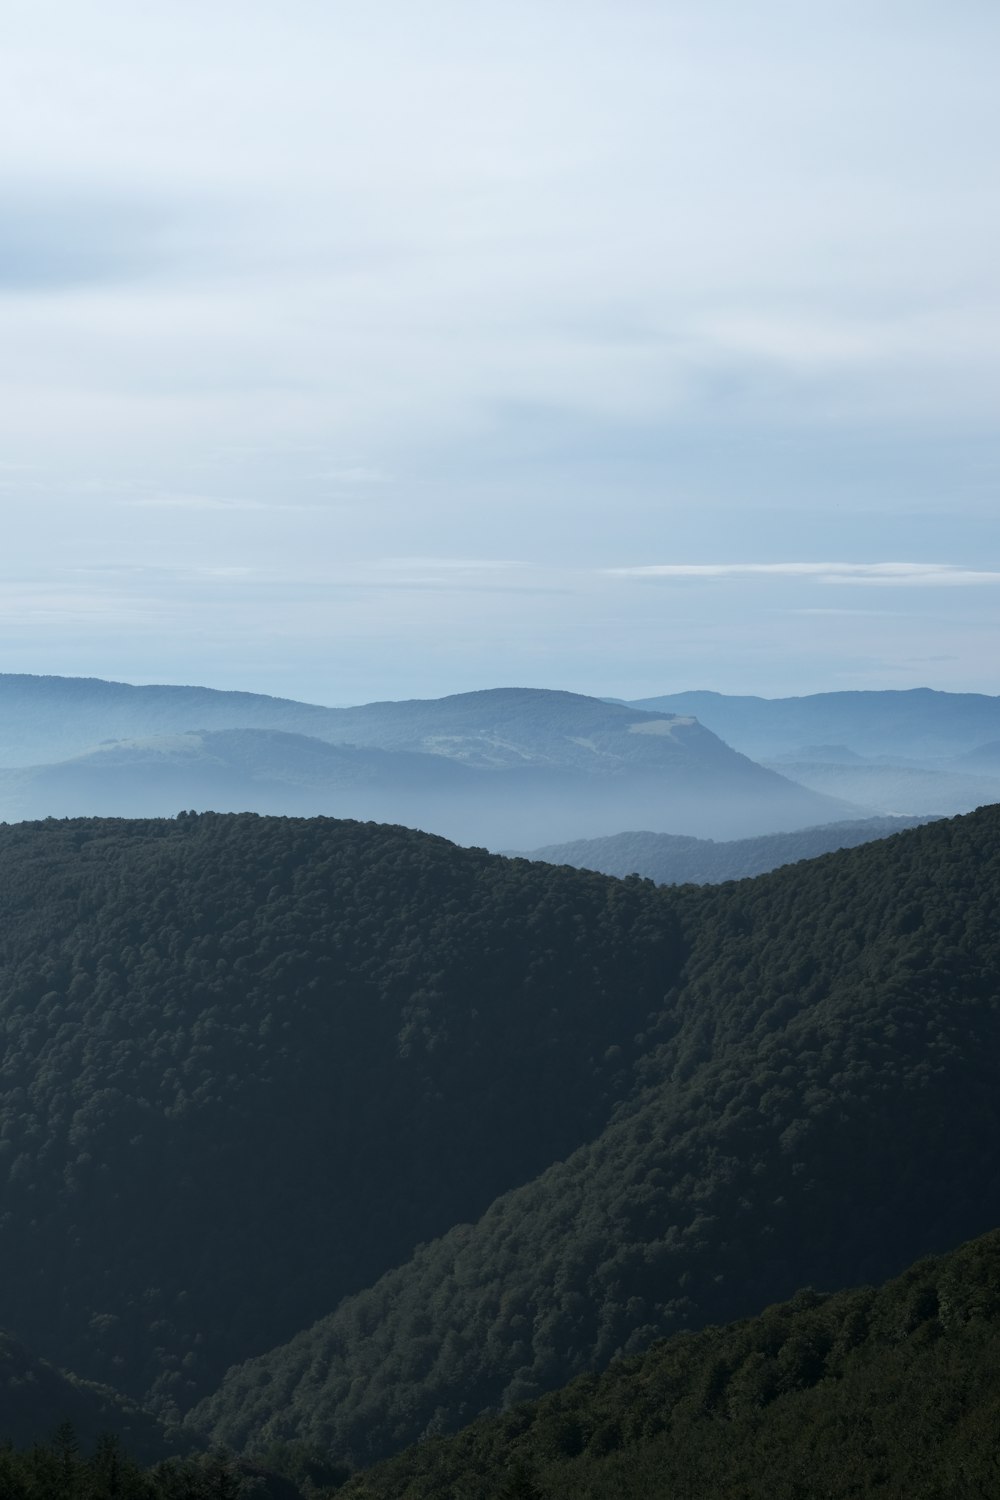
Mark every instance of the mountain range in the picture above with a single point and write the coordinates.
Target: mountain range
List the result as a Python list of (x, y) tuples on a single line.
[(914, 723), (508, 765), (670, 859)]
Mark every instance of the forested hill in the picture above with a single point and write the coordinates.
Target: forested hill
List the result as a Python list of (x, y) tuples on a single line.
[(817, 1102), (490, 1122), (672, 859), (250, 1062), (889, 1392)]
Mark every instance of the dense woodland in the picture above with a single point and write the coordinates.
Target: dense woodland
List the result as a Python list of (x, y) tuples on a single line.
[(890, 1392), (893, 1392), (493, 1124), (815, 1103), (327, 1041)]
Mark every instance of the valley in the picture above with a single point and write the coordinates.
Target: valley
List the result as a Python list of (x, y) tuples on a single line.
[(336, 1136)]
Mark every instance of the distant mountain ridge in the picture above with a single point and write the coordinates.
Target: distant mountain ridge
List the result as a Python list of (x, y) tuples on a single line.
[(913, 722), (492, 767), (896, 790), (672, 860)]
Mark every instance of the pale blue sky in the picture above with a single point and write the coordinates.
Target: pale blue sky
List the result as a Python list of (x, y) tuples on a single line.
[(356, 352)]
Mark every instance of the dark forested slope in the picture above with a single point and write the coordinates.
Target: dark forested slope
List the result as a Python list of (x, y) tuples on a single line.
[(817, 1102), (36, 1397), (672, 859), (888, 1392), (249, 1063)]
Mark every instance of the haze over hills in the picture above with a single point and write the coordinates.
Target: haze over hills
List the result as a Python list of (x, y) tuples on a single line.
[(507, 765), (896, 790), (672, 860)]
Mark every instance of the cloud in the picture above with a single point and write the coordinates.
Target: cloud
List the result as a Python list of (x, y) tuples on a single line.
[(910, 574)]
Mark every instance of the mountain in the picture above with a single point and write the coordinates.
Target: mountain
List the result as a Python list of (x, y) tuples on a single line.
[(490, 768), (814, 1100), (442, 1130), (229, 770), (47, 719), (982, 758), (671, 860), (913, 724), (881, 1392), (249, 1063)]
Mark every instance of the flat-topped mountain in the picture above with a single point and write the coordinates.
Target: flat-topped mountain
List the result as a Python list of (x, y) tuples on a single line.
[(916, 723)]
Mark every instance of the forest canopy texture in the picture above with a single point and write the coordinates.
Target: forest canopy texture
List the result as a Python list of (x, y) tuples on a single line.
[(441, 1131)]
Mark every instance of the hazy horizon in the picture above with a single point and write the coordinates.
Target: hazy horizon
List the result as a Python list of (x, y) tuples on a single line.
[(625, 349)]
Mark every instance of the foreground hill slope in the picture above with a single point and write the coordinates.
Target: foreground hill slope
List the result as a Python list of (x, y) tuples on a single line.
[(249, 1063), (886, 1392), (670, 859), (817, 1102)]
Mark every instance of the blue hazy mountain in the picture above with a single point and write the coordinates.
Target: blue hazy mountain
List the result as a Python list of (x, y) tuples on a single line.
[(495, 767), (671, 859), (914, 724), (895, 790)]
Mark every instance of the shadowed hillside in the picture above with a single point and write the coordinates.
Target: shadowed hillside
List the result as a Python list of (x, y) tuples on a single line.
[(816, 1102), (250, 1063), (884, 1392), (491, 1122)]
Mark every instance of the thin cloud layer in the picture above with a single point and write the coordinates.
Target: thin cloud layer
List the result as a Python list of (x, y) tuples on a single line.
[(944, 575)]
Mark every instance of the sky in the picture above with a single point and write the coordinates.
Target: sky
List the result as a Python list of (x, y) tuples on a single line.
[(355, 352)]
